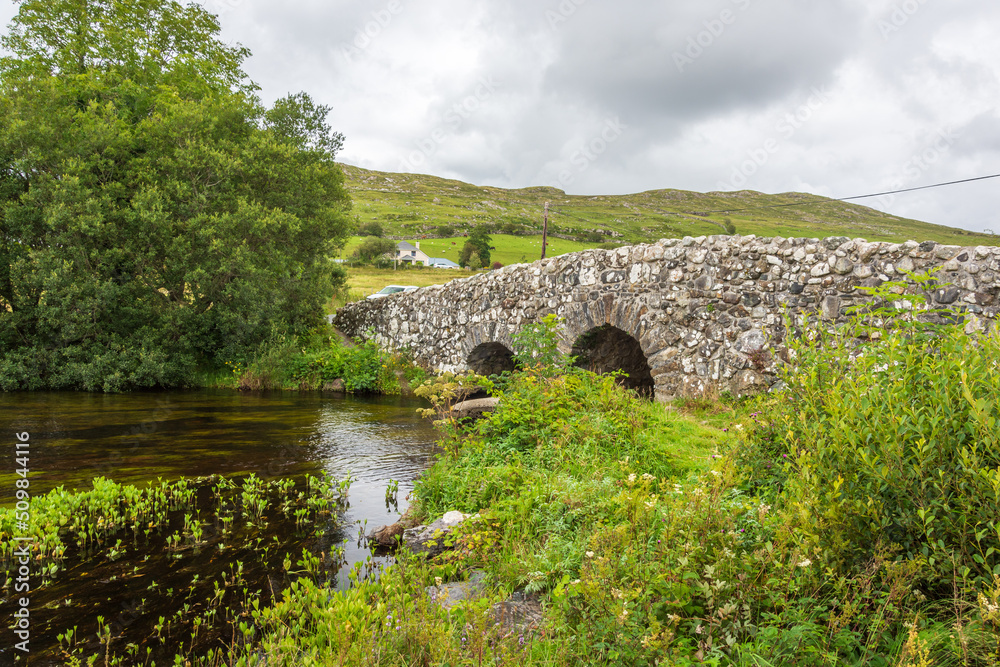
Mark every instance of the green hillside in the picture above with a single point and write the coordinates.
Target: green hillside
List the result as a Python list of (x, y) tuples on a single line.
[(414, 206)]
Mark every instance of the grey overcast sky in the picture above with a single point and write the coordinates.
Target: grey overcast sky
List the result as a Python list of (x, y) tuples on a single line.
[(834, 97)]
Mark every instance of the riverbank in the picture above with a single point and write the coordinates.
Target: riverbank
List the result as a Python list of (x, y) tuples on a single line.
[(851, 519), (323, 359)]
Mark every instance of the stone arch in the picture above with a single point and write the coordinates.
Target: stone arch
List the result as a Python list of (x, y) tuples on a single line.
[(607, 348), (491, 358)]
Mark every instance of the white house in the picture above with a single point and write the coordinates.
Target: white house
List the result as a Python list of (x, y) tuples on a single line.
[(411, 254)]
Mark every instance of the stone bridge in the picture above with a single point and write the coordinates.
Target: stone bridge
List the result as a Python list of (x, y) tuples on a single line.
[(679, 316)]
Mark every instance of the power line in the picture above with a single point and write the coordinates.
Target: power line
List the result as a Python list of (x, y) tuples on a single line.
[(827, 200), (824, 200)]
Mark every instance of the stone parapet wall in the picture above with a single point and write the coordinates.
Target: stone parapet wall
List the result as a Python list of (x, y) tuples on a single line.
[(708, 312)]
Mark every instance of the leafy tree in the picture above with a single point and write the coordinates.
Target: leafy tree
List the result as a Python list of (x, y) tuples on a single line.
[(445, 231), (478, 243), (373, 247), (371, 229), (154, 217), (301, 122)]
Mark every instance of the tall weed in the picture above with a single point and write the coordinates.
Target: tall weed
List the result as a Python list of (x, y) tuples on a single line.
[(890, 443)]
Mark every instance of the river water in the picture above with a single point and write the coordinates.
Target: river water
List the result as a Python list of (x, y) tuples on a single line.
[(140, 437)]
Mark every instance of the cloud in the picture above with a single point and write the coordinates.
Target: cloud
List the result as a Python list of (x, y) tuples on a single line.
[(682, 61), (837, 97)]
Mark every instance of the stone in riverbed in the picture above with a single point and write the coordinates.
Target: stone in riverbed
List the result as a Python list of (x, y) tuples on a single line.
[(390, 536), (337, 386), (431, 539), (521, 612)]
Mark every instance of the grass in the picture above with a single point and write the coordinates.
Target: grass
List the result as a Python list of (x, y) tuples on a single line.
[(365, 280), (508, 249), (634, 523), (691, 431), (412, 205), (693, 533)]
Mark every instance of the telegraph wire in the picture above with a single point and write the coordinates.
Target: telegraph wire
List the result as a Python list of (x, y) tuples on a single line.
[(829, 200)]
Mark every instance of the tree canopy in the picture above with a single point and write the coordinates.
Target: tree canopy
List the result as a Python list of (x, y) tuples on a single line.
[(374, 248), (477, 245), (154, 216)]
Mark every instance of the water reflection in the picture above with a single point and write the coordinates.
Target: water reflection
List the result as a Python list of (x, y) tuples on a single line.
[(135, 438), (142, 436)]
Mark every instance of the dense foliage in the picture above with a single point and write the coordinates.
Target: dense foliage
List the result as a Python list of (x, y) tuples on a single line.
[(154, 217), (373, 249), (850, 522), (891, 448), (317, 359), (475, 253)]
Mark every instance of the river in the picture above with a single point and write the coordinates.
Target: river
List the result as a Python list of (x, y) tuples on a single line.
[(141, 437)]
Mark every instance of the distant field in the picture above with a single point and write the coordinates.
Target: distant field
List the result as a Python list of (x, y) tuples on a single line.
[(509, 249), (413, 206), (365, 280)]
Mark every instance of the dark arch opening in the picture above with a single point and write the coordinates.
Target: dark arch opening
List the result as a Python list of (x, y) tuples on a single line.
[(491, 359), (606, 349)]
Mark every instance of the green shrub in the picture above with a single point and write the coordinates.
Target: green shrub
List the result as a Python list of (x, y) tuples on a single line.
[(892, 444), (365, 368)]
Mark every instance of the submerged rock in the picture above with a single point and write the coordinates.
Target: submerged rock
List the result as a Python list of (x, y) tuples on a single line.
[(391, 536)]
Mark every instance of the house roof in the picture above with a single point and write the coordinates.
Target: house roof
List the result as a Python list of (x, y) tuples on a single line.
[(441, 260), (403, 245)]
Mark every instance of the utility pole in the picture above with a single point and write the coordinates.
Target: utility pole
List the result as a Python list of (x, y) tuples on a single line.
[(545, 230)]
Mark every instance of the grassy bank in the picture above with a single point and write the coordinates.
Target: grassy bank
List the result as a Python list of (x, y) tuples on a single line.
[(319, 360), (850, 520), (365, 280)]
